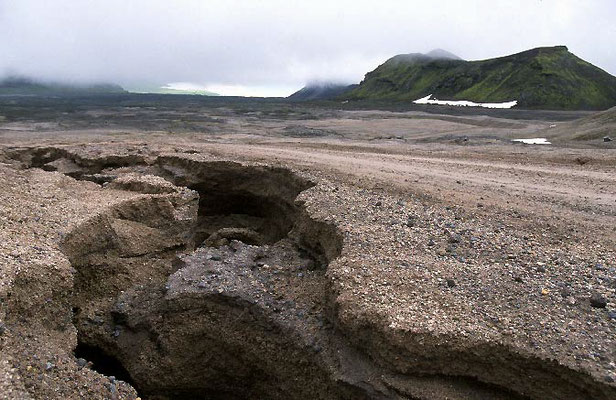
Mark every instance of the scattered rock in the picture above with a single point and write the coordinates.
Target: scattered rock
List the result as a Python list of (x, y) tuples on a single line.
[(455, 238), (598, 301), (224, 235), (451, 283), (607, 139), (582, 160)]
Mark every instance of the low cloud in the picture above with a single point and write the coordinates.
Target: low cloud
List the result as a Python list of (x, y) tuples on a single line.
[(279, 45)]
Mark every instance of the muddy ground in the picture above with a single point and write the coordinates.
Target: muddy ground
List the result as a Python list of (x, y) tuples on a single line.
[(172, 249)]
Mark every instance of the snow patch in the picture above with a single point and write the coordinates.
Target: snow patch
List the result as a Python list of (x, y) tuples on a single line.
[(533, 141), (464, 103)]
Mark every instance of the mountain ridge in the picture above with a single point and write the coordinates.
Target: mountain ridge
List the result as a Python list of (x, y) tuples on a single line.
[(544, 77)]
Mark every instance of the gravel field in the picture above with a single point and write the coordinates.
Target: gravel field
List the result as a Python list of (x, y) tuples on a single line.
[(355, 254)]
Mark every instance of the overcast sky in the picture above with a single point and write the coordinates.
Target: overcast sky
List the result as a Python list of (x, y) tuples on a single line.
[(273, 47)]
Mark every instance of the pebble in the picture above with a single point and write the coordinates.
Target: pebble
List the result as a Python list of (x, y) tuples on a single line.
[(113, 389), (2, 328), (455, 238), (82, 362), (598, 301), (611, 314), (451, 283)]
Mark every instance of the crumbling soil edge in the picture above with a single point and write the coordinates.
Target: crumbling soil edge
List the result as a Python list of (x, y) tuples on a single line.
[(383, 346)]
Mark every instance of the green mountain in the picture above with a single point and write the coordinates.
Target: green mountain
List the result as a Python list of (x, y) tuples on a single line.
[(544, 78), (27, 86)]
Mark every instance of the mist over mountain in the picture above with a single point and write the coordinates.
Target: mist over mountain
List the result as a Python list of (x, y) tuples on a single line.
[(321, 91), (442, 54), (17, 85)]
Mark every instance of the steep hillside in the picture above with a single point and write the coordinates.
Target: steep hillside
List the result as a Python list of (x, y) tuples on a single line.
[(26, 86), (543, 78), (324, 91)]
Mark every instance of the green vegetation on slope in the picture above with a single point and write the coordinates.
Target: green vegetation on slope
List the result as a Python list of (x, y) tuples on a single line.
[(543, 78)]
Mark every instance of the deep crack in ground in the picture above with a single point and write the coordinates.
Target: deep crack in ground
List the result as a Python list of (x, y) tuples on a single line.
[(213, 288), (213, 285)]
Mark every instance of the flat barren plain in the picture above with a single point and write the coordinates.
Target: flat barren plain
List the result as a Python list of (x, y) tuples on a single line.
[(176, 247)]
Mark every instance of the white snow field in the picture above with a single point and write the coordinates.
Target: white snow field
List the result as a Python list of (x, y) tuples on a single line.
[(533, 141), (464, 103)]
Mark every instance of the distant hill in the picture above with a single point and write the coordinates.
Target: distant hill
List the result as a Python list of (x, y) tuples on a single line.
[(542, 78), (593, 127), (170, 90), (323, 91), (27, 86)]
